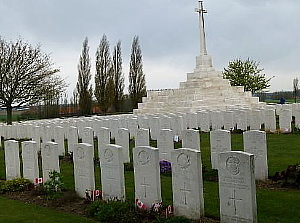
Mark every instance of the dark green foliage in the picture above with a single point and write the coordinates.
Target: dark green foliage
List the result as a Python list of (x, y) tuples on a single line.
[(53, 186), (104, 81), (126, 212), (118, 78), (128, 166), (137, 82), (173, 219), (84, 88), (113, 211), (19, 184), (295, 88), (210, 175), (246, 73), (289, 177)]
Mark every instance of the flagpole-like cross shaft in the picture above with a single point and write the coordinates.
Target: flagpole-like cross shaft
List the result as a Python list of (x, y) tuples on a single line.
[(201, 12)]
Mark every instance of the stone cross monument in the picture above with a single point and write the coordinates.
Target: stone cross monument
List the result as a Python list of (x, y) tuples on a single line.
[(204, 89), (203, 61), (201, 12)]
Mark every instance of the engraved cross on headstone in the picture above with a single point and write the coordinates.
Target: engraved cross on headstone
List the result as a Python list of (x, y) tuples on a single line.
[(184, 190), (145, 185), (234, 199), (110, 179)]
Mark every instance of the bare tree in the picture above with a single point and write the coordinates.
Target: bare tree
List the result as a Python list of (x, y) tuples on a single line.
[(118, 77), (84, 88), (104, 76), (137, 82), (295, 88), (26, 75)]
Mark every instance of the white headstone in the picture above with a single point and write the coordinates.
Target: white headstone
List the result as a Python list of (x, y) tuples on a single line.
[(147, 175), (255, 120), (142, 137), (270, 120), (228, 120), (114, 125), (30, 161), (133, 126), (176, 124), (192, 120), (220, 141), (88, 136), (241, 119), (216, 118), (237, 190), (60, 139), (165, 144), (83, 168), (143, 122), (103, 137), (187, 183), (50, 159), (12, 160), (72, 138), (191, 139), (296, 114), (112, 173), (122, 139), (285, 119), (255, 143), (165, 122), (154, 127), (203, 120)]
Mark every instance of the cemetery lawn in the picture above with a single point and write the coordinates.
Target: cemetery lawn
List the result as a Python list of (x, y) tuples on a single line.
[(17, 211), (274, 204)]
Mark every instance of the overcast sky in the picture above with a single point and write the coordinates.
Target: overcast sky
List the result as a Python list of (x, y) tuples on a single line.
[(267, 31)]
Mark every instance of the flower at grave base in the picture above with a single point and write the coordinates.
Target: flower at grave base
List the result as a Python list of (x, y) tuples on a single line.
[(165, 166)]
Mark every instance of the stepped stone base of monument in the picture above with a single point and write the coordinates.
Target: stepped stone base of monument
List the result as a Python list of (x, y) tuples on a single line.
[(205, 88)]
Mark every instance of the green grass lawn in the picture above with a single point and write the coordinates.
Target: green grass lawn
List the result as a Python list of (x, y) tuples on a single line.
[(274, 205), (16, 211)]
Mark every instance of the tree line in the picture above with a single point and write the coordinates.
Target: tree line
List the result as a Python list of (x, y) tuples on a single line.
[(109, 77)]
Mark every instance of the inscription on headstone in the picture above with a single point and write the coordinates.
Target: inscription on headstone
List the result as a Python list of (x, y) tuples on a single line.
[(237, 189), (187, 183), (146, 175)]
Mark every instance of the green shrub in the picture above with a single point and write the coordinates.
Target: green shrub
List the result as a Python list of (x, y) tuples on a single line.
[(113, 211), (125, 212), (53, 186), (18, 184), (173, 219)]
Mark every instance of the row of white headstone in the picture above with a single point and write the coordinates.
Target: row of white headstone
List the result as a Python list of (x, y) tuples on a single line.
[(206, 120), (220, 140), (236, 176)]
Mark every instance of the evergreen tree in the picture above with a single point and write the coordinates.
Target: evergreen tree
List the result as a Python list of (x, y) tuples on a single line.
[(104, 76), (84, 88), (118, 77), (137, 82), (295, 88)]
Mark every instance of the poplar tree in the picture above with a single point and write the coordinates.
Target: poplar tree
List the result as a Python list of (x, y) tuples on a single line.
[(84, 88), (104, 76), (118, 77), (137, 82)]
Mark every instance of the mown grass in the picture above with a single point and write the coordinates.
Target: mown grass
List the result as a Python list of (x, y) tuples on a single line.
[(16, 211), (274, 205)]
